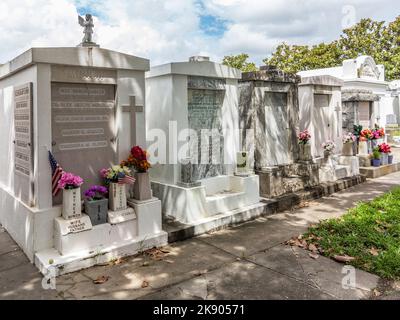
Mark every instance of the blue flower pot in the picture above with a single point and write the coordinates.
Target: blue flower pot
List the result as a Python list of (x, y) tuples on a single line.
[(376, 162)]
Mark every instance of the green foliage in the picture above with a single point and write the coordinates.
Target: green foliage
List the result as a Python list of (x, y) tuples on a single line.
[(370, 233), (368, 37), (239, 62), (376, 154)]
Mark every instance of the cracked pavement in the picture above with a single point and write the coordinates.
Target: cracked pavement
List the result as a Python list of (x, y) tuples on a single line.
[(248, 261)]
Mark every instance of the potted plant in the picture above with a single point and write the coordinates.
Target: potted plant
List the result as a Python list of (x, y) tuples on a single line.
[(305, 147), (329, 147), (96, 204), (138, 160), (376, 157), (116, 178), (384, 149), (71, 186), (348, 143)]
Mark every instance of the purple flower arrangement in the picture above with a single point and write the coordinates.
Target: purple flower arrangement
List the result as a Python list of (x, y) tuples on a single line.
[(69, 181), (96, 193)]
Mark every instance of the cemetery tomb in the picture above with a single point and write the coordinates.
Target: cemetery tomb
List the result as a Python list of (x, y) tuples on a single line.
[(320, 111), (358, 108), (269, 118), (198, 113), (85, 105), (362, 77)]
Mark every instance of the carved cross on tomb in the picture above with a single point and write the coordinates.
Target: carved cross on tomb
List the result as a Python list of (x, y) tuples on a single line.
[(132, 108)]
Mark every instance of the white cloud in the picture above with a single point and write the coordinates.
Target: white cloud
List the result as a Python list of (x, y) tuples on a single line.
[(170, 30)]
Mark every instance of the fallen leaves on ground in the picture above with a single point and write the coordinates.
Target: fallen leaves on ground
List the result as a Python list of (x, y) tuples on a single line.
[(344, 258), (373, 251), (101, 279), (377, 293), (117, 262), (156, 253), (314, 256)]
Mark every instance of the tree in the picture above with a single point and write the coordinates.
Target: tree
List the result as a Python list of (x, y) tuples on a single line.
[(239, 62), (374, 38)]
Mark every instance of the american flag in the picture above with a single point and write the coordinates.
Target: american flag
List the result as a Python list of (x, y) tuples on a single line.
[(126, 180), (56, 173)]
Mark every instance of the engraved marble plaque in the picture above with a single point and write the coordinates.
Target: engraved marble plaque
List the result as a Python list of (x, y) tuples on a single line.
[(276, 127), (83, 75), (204, 112), (115, 217), (364, 113), (83, 129), (23, 143), (65, 227)]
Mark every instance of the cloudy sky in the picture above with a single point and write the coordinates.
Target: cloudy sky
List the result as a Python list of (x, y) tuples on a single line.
[(173, 30)]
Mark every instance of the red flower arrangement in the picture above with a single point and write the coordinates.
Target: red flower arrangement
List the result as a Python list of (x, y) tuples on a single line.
[(366, 134), (384, 148), (138, 159)]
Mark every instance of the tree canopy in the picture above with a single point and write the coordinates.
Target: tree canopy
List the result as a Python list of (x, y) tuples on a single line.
[(239, 62), (377, 39)]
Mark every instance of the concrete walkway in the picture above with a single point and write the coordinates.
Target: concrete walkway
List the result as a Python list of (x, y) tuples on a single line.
[(249, 261)]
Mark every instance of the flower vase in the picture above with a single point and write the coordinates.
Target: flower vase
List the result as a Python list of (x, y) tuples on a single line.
[(390, 159), (384, 159), (117, 197), (363, 148), (376, 162), (347, 149), (369, 142), (97, 211), (374, 143), (305, 152), (71, 205), (142, 187)]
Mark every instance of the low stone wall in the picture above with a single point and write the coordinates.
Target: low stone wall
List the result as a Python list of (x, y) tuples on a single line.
[(376, 172)]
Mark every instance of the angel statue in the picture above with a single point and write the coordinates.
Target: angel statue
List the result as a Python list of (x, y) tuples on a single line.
[(88, 26)]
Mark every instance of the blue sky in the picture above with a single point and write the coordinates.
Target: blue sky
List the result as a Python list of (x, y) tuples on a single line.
[(173, 30)]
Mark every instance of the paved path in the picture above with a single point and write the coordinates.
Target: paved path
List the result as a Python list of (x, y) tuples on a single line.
[(244, 262)]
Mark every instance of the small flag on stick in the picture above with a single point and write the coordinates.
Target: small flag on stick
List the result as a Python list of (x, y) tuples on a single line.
[(56, 173), (126, 180)]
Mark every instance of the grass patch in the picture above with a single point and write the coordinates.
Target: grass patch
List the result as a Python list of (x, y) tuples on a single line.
[(370, 233)]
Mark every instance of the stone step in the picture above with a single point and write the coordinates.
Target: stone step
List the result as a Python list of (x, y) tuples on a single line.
[(224, 201), (178, 231)]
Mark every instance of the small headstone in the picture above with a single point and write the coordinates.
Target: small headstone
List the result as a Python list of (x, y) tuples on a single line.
[(73, 225), (391, 119), (115, 217)]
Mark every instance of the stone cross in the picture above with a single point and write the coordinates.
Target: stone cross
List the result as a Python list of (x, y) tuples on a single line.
[(132, 108), (338, 110)]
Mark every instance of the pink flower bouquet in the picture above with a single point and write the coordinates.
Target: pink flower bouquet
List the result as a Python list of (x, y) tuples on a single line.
[(69, 181), (304, 137)]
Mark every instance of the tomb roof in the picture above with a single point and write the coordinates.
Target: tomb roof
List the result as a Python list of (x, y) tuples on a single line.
[(270, 73), (196, 66), (322, 80), (75, 56), (356, 94)]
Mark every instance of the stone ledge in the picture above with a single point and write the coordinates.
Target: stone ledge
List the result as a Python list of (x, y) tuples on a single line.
[(376, 172), (50, 260), (178, 231)]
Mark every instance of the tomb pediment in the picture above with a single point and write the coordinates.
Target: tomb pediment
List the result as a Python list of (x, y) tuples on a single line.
[(367, 68)]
